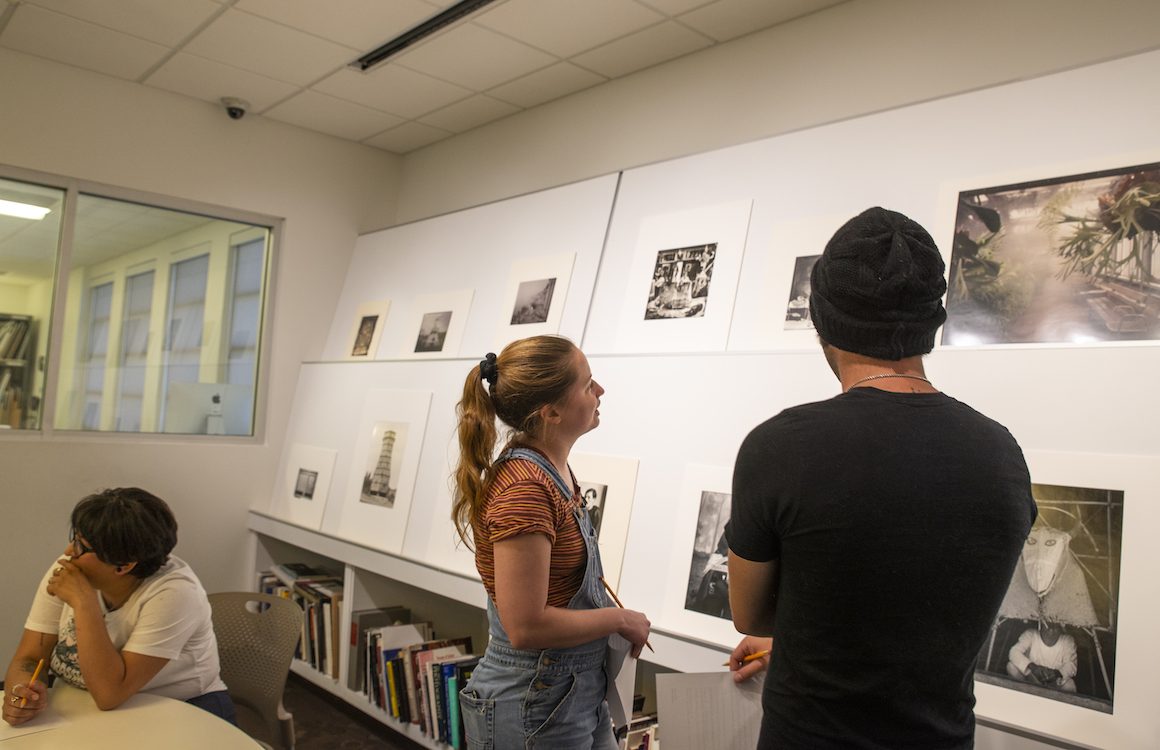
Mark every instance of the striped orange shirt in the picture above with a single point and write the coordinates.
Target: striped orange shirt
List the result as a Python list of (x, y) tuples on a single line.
[(523, 499)]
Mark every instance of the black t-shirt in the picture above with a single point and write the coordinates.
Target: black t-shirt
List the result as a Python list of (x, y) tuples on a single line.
[(896, 521)]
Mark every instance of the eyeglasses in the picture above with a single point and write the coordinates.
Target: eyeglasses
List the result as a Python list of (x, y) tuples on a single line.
[(78, 546)]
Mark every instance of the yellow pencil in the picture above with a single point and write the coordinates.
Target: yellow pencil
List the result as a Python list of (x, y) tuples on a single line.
[(35, 674), (616, 599), (751, 657)]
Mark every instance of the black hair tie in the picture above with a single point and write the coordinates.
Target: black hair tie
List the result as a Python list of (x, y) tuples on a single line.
[(488, 370)]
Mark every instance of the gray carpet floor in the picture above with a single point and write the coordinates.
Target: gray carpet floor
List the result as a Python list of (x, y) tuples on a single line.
[(324, 722)]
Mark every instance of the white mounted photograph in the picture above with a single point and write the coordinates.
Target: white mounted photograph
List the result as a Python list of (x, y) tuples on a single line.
[(436, 323), (683, 280), (697, 590), (1074, 637), (607, 486), (379, 489), (367, 329), (773, 296), (303, 485), (533, 301)]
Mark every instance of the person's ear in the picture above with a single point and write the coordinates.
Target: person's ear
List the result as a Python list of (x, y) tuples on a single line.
[(126, 568), (549, 414)]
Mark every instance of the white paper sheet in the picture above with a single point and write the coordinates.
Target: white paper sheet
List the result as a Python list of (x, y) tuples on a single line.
[(696, 711), (621, 671), (46, 721)]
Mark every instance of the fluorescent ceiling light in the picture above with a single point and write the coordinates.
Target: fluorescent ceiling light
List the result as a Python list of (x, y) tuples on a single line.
[(456, 12), (23, 210)]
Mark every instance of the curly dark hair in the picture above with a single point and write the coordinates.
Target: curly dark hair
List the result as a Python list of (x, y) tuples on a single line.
[(127, 525)]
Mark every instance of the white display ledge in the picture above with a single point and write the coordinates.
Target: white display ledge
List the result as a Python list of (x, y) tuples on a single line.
[(421, 575)]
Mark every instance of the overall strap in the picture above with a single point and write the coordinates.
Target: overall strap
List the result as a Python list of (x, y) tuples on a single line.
[(534, 456)]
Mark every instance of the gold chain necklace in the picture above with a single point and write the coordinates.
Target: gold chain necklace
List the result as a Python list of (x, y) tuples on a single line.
[(856, 383)]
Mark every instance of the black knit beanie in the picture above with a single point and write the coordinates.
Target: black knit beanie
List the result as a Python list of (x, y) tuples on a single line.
[(877, 289)]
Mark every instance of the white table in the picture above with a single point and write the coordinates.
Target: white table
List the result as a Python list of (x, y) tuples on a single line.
[(72, 720)]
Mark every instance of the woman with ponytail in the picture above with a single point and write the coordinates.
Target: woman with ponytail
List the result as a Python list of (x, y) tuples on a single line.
[(541, 681)]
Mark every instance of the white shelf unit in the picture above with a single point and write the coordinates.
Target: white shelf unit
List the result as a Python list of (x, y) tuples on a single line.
[(455, 604)]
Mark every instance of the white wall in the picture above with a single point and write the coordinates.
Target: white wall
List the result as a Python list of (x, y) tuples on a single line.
[(64, 121), (852, 59)]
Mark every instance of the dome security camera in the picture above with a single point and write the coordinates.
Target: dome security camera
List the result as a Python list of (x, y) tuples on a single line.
[(236, 108)]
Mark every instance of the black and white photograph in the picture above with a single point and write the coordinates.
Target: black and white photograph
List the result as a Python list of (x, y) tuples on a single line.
[(304, 486), (1055, 634), (708, 587), (797, 309), (1068, 260), (380, 482), (433, 331), (593, 497), (533, 301), (680, 282), (366, 334)]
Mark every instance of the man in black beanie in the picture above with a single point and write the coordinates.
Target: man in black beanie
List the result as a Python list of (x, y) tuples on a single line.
[(873, 535)]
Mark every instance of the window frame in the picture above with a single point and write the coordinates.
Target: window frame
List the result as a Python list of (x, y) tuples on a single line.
[(53, 329)]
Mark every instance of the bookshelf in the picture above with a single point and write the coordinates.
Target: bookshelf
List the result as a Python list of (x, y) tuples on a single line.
[(17, 362), (456, 605)]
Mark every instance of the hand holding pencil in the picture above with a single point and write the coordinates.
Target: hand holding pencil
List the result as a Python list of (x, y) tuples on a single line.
[(24, 701), (646, 623), (750, 657)]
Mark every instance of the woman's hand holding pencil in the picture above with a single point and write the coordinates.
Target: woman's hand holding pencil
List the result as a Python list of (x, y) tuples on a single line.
[(644, 621)]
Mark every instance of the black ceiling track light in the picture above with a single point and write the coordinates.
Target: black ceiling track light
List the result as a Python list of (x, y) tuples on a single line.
[(433, 24)]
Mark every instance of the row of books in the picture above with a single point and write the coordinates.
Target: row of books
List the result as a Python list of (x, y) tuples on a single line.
[(319, 593), (416, 678), (15, 337)]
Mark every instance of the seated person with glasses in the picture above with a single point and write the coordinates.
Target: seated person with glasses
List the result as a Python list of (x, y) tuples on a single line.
[(118, 614)]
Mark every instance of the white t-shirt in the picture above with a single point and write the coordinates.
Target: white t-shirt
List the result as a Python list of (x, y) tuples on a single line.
[(168, 616)]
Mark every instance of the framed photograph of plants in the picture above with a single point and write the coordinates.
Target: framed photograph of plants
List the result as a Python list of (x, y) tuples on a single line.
[(1064, 260)]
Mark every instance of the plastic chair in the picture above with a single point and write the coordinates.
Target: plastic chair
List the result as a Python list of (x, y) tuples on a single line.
[(257, 635)]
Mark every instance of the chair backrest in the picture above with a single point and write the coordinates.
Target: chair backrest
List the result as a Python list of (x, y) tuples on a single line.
[(256, 635)]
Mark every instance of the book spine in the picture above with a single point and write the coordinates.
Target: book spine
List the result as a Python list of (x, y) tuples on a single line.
[(454, 727)]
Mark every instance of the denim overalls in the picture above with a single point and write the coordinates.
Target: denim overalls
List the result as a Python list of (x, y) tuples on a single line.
[(542, 699)]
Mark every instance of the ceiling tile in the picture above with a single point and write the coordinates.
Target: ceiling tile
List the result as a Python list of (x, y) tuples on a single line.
[(643, 49), (729, 19), (392, 89), (407, 137), (675, 7), (271, 49), (566, 27), (469, 113), (210, 80), (326, 114), (545, 85), (474, 57), (48, 34), (164, 23), (362, 24)]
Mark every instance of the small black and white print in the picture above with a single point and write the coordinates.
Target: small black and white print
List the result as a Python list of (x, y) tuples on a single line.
[(433, 331), (708, 586), (366, 333), (797, 309), (593, 496), (680, 282), (304, 487), (533, 301)]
